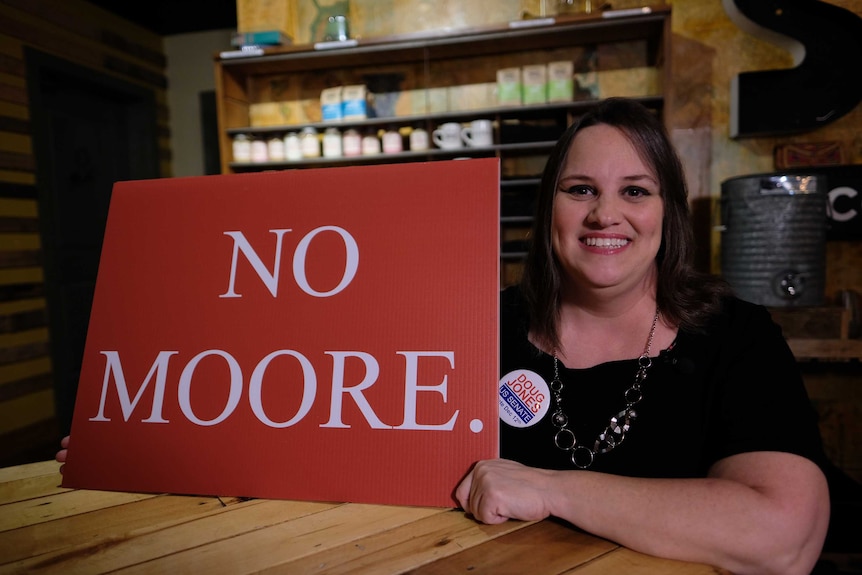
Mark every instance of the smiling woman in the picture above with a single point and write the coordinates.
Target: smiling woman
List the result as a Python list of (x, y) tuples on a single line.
[(654, 435)]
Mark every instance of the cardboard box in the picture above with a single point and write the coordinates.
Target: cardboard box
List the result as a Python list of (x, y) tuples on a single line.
[(437, 100), (330, 104), (534, 80), (264, 114), (472, 97), (410, 103), (561, 82), (509, 87), (266, 15), (353, 102)]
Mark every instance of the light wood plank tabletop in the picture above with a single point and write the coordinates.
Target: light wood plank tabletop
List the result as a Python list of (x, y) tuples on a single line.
[(45, 528)]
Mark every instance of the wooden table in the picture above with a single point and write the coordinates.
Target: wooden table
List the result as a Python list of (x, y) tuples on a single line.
[(45, 528)]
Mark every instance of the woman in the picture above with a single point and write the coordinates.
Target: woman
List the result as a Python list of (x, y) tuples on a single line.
[(663, 413)]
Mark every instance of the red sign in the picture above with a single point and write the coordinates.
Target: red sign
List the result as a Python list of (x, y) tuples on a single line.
[(308, 334)]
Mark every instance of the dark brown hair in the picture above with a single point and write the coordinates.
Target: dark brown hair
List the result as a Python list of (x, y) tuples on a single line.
[(686, 297)]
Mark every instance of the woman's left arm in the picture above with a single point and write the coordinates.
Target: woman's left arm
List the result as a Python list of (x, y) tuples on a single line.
[(759, 512)]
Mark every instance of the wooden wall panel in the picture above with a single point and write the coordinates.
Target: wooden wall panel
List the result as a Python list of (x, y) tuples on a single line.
[(86, 36)]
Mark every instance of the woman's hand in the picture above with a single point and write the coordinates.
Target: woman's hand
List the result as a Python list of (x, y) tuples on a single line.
[(498, 489), (64, 451)]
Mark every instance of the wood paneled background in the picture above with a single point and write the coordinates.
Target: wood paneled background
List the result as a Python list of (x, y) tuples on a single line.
[(88, 36)]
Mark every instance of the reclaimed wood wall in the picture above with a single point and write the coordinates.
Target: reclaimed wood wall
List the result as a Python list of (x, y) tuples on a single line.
[(86, 36)]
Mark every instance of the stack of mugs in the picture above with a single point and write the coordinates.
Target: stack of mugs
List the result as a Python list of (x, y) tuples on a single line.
[(452, 135)]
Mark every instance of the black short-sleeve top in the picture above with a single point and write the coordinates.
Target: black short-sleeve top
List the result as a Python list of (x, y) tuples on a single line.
[(732, 389)]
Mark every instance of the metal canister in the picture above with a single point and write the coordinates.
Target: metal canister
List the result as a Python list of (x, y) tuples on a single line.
[(337, 29), (773, 243)]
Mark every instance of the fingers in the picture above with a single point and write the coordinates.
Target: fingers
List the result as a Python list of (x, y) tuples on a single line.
[(462, 492), (63, 453), (473, 497)]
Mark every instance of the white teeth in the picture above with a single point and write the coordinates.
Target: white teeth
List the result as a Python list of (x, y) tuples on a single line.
[(606, 242)]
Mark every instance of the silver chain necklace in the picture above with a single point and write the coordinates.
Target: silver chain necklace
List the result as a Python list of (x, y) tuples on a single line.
[(614, 434)]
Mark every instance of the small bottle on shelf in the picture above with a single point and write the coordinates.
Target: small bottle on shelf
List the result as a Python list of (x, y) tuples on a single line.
[(332, 143), (418, 139), (275, 148), (292, 147), (310, 143), (351, 143), (259, 152), (370, 144), (241, 148), (392, 141)]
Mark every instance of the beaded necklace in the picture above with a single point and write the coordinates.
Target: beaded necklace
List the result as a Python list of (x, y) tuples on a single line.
[(619, 424)]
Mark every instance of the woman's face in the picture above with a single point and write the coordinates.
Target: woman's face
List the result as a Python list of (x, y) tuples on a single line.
[(607, 218)]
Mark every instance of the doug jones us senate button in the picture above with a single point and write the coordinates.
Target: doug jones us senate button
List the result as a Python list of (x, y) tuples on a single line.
[(524, 398)]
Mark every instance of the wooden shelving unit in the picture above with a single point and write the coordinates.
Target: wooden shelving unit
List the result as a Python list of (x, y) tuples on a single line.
[(524, 135)]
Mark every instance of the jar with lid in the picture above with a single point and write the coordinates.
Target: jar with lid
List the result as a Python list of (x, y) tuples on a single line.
[(370, 144), (275, 148), (351, 143), (419, 141), (310, 143), (241, 148), (292, 147), (392, 141), (332, 143), (259, 152)]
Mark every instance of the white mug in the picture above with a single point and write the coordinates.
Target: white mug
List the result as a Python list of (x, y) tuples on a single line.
[(447, 136), (478, 134)]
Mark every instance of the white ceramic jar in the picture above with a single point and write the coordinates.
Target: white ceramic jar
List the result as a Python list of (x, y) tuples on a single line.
[(332, 143), (310, 143), (392, 141), (418, 140), (351, 143), (241, 148), (275, 149), (259, 152), (292, 147), (370, 145)]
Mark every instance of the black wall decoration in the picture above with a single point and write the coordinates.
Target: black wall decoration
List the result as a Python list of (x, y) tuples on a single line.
[(826, 82)]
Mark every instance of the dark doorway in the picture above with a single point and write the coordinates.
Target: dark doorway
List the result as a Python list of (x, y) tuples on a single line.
[(89, 131)]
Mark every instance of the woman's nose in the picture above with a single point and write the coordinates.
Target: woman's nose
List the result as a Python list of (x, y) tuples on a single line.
[(604, 212)]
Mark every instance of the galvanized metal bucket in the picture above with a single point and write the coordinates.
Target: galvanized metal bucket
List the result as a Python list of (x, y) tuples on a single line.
[(773, 244)]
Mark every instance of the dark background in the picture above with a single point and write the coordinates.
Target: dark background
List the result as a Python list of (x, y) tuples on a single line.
[(168, 17)]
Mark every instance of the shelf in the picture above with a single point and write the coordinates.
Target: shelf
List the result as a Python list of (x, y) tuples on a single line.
[(399, 157), (501, 113), (425, 155), (515, 37)]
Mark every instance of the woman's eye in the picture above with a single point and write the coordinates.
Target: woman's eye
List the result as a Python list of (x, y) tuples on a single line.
[(580, 190), (635, 192)]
